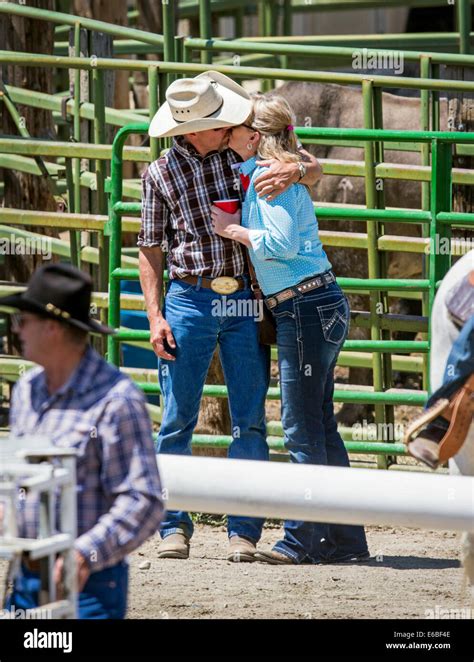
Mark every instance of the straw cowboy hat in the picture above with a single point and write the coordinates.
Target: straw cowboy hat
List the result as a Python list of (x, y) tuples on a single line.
[(60, 292), (209, 101)]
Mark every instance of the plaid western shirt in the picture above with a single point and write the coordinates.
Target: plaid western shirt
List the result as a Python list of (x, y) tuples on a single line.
[(178, 191), (101, 414)]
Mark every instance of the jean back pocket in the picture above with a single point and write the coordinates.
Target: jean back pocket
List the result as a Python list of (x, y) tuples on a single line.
[(334, 319)]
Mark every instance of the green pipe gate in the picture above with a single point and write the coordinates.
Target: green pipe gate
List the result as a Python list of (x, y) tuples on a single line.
[(435, 173)]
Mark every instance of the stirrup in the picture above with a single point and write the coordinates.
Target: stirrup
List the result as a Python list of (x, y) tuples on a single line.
[(458, 411)]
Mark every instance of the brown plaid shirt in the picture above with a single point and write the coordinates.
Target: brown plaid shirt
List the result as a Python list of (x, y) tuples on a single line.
[(178, 191)]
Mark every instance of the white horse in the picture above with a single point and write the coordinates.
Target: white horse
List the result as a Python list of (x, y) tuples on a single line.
[(443, 334)]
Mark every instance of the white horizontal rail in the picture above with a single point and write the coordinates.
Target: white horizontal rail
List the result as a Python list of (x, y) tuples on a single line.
[(36, 477), (36, 547), (318, 493)]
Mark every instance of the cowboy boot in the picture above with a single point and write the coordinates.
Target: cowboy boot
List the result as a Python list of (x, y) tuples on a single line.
[(241, 550)]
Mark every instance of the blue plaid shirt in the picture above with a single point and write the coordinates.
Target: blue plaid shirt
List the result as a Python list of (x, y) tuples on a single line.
[(101, 414)]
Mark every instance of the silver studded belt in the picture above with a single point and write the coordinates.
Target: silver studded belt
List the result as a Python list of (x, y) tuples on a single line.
[(305, 286)]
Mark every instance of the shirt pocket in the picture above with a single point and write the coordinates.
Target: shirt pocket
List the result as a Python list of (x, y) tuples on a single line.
[(334, 318), (176, 213)]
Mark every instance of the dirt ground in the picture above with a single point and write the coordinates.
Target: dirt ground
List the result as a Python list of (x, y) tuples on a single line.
[(411, 572)]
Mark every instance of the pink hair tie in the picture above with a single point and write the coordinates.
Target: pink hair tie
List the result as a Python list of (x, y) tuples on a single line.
[(290, 127)]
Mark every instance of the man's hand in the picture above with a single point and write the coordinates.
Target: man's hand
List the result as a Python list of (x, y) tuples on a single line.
[(221, 221), (160, 331), (279, 176), (82, 574)]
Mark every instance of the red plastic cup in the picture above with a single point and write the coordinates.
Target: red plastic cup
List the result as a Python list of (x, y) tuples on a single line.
[(229, 206)]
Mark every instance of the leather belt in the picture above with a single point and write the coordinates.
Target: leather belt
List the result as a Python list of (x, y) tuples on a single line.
[(305, 286), (220, 285)]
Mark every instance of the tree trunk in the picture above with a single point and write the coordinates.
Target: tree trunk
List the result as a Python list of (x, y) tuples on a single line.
[(214, 417), (22, 190)]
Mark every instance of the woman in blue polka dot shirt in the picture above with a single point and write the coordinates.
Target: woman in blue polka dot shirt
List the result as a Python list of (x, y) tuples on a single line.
[(311, 315)]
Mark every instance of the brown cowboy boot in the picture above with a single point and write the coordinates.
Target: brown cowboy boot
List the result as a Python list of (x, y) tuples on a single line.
[(174, 546), (274, 557), (241, 550)]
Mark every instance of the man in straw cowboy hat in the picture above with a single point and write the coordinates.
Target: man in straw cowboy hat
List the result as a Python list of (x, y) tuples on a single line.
[(208, 274), (78, 400)]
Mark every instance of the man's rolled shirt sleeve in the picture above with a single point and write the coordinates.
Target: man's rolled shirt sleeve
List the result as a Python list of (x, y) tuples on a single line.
[(154, 214), (129, 476)]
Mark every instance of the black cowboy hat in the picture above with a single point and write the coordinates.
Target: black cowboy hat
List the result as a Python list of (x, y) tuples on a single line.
[(60, 292)]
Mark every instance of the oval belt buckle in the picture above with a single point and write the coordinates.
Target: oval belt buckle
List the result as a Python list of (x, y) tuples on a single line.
[(224, 285)]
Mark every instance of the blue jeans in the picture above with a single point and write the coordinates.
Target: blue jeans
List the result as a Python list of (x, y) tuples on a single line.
[(311, 329), (459, 366), (103, 596), (200, 321), (460, 363)]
